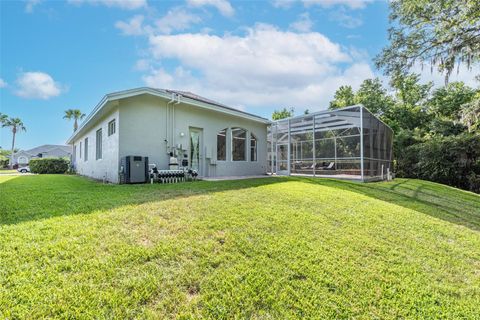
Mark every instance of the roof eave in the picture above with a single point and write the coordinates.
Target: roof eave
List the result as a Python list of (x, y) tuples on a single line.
[(163, 94)]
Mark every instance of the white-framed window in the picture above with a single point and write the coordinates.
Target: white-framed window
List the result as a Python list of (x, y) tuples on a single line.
[(80, 149), (86, 149), (239, 144), (253, 147), (222, 145), (98, 144), (111, 127)]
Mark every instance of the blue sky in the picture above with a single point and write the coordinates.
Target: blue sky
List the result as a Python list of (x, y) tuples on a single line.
[(256, 56)]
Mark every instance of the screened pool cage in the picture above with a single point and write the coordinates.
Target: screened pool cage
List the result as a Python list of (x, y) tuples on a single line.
[(348, 143)]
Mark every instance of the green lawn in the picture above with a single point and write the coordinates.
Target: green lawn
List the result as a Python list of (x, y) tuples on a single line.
[(262, 248)]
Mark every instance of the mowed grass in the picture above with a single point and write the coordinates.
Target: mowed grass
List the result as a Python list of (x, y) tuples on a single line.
[(273, 248)]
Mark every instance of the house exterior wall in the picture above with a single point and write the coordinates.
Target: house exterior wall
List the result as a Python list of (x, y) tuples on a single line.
[(106, 167), (142, 128), (145, 127)]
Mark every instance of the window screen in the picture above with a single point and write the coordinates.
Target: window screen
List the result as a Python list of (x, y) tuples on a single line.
[(111, 127), (86, 149), (98, 144), (222, 145), (239, 145), (253, 148)]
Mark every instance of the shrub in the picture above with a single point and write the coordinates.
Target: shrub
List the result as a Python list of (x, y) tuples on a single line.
[(3, 162), (49, 165), (452, 160)]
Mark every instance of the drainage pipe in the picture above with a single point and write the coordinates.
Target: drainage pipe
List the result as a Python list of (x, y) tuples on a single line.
[(167, 140), (173, 120)]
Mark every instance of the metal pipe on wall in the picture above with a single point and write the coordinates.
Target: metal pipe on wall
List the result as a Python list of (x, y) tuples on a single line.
[(173, 120), (167, 139)]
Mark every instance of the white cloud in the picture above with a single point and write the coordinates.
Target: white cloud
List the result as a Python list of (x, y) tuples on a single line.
[(264, 67), (37, 85), (30, 5), (122, 4), (223, 6), (352, 4), (303, 24), (3, 84), (142, 65), (345, 20), (131, 28), (464, 74), (176, 19), (284, 4)]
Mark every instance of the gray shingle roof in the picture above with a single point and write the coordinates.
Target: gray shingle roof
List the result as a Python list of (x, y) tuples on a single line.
[(48, 147)]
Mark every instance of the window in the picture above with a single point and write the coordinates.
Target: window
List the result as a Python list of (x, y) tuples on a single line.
[(86, 149), (222, 145), (111, 127), (239, 145), (98, 144), (253, 148), (80, 150)]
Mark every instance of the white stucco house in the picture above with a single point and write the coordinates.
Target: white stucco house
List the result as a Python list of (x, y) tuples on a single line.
[(215, 139), (23, 157)]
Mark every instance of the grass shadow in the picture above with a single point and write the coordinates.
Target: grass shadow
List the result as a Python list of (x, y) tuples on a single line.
[(437, 200), (29, 198)]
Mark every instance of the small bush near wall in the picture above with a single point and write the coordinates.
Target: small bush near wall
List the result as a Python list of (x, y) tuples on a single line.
[(49, 165)]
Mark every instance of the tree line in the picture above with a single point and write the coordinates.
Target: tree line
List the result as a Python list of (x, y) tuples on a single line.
[(436, 131)]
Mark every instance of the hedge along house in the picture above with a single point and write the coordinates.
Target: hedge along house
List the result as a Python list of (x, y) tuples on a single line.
[(348, 143), (216, 140)]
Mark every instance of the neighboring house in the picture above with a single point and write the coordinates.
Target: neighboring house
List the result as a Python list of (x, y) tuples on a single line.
[(23, 157), (215, 139)]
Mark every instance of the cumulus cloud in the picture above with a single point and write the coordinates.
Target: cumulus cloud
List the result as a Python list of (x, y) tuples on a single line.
[(37, 85), (264, 67), (345, 20), (131, 28), (122, 4), (303, 24), (223, 6), (3, 84), (176, 19)]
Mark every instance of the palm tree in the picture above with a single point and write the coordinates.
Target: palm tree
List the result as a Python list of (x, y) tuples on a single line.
[(74, 114), (16, 125), (3, 118)]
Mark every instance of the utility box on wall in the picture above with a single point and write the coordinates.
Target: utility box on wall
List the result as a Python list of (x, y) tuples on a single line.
[(133, 169)]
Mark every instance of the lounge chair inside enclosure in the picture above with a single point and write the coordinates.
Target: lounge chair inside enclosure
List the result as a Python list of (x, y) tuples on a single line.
[(325, 166)]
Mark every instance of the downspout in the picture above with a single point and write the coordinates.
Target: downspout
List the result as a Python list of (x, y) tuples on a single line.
[(173, 119), (166, 121)]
